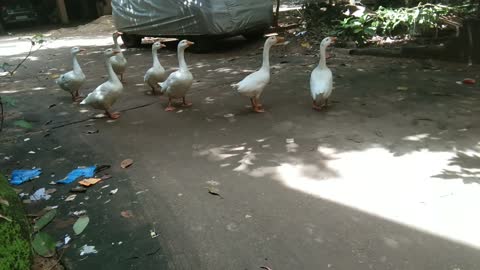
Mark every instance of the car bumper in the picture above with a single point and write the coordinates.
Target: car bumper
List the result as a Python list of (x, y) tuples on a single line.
[(19, 18)]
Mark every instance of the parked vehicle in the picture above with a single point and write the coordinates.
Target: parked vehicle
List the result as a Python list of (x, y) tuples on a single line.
[(202, 21), (17, 11)]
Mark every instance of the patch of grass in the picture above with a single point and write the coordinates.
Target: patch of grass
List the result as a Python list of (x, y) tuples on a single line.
[(15, 249)]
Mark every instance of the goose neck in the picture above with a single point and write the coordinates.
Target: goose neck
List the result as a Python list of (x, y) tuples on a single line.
[(266, 57), (111, 74), (323, 61), (181, 59), (76, 66)]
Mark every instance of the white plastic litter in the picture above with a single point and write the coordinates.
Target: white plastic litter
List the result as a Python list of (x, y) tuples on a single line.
[(40, 194), (85, 250)]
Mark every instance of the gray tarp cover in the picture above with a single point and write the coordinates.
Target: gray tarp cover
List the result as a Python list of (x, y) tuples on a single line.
[(191, 17)]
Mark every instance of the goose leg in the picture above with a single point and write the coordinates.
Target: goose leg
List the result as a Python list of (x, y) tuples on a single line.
[(114, 115), (121, 78), (153, 90), (77, 97), (257, 101), (316, 107), (257, 108), (185, 103), (169, 107), (253, 103)]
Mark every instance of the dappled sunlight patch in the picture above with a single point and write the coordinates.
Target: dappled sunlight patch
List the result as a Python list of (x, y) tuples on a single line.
[(402, 189), (201, 65), (20, 58), (216, 153), (208, 100), (291, 146), (417, 137), (246, 161), (16, 47), (224, 70), (38, 88), (262, 139), (9, 91)]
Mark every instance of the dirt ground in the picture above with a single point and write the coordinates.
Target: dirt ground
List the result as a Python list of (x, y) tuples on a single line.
[(385, 178)]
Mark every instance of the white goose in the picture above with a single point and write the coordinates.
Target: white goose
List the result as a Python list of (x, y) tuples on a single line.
[(321, 80), (74, 79), (179, 82), (105, 95), (119, 63), (252, 86), (156, 73)]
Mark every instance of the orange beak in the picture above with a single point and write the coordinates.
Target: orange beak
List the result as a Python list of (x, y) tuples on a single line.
[(162, 45), (190, 43), (280, 39), (116, 52), (81, 50), (334, 39)]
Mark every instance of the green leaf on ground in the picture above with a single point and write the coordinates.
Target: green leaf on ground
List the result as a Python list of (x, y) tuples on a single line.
[(44, 220), (80, 224), (23, 124), (44, 245), (8, 101)]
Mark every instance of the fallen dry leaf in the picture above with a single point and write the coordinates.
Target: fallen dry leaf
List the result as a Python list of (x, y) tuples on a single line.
[(214, 191), (89, 181), (60, 223), (126, 163), (78, 189), (126, 214), (106, 176), (469, 81)]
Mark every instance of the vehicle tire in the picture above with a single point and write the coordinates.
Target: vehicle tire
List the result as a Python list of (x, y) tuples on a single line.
[(254, 35), (203, 45), (131, 41)]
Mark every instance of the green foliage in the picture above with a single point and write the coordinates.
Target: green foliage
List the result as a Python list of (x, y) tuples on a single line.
[(23, 124), (44, 220), (359, 29), (15, 251), (44, 244), (419, 20), (8, 101)]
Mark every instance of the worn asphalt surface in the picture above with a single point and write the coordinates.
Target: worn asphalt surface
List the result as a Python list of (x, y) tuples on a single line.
[(358, 186)]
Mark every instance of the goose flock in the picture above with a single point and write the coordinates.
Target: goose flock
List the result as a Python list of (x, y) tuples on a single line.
[(177, 84)]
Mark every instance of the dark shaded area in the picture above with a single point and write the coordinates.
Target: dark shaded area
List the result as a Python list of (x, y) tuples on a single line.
[(469, 166)]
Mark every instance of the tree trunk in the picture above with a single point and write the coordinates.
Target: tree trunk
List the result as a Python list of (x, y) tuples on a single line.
[(62, 10), (277, 14)]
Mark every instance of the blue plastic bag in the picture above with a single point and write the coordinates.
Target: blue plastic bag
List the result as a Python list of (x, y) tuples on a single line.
[(86, 172), (19, 177)]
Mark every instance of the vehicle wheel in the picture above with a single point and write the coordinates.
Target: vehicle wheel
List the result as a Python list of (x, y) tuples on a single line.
[(202, 45), (254, 35), (131, 41)]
